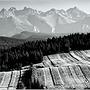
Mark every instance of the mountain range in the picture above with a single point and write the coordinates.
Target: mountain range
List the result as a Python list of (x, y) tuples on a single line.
[(20, 23)]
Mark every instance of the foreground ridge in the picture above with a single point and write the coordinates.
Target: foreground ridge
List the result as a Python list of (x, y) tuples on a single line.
[(63, 71)]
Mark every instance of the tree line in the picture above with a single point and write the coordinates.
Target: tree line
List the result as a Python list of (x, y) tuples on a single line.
[(32, 52)]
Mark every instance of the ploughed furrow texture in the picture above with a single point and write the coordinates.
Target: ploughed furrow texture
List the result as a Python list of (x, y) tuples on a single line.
[(1, 76), (75, 56), (83, 60), (70, 77), (75, 60), (61, 60), (6, 79), (86, 72), (40, 76), (84, 55), (43, 77), (63, 56), (56, 77), (15, 78), (53, 59), (64, 78), (34, 77), (87, 52), (77, 80), (48, 78), (46, 62), (67, 59), (70, 58), (80, 75)]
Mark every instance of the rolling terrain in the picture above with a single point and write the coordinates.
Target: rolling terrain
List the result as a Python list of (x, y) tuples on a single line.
[(7, 42), (32, 36), (65, 71)]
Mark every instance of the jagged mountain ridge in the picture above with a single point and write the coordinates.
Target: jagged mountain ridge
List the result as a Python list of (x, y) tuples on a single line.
[(14, 21)]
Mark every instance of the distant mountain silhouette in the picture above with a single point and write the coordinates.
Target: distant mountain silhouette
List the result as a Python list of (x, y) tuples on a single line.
[(15, 21), (32, 36)]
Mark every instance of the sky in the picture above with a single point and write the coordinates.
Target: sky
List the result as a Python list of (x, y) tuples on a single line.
[(45, 5)]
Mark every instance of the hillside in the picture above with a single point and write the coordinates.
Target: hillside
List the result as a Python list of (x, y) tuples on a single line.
[(6, 42), (32, 36), (65, 71)]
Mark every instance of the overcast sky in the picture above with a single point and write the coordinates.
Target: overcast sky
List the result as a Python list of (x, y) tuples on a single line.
[(46, 4)]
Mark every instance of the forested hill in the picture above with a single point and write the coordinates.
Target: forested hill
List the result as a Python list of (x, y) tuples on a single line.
[(32, 52), (6, 42)]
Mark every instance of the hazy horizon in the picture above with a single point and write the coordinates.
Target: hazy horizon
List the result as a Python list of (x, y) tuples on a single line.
[(45, 5)]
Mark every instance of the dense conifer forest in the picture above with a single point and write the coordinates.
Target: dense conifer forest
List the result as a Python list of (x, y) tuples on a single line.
[(32, 52)]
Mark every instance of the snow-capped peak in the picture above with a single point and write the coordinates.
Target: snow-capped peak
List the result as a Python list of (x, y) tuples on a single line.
[(75, 13)]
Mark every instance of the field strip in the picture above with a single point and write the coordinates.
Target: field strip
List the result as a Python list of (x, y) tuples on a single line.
[(64, 78), (48, 78), (47, 63), (87, 58), (1, 76), (56, 77), (40, 76), (2, 80), (70, 58), (82, 59), (81, 76), (86, 53), (67, 58), (78, 58), (86, 72), (6, 79), (74, 59), (82, 55), (17, 78), (61, 60), (69, 78), (51, 61), (34, 77), (79, 83), (13, 79)]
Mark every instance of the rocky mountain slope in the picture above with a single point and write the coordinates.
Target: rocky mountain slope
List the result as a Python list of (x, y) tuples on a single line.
[(14, 21)]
